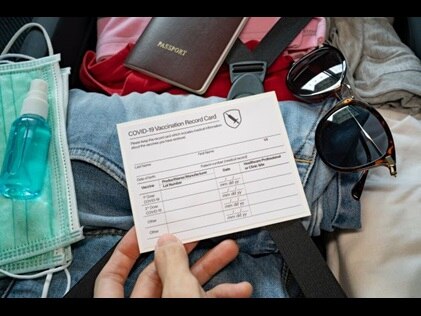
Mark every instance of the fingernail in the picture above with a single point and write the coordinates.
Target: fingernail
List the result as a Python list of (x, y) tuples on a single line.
[(165, 240)]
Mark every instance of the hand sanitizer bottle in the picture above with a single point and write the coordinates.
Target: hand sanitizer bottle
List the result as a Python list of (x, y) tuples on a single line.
[(25, 160)]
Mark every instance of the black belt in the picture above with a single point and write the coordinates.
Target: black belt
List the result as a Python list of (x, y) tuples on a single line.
[(247, 72)]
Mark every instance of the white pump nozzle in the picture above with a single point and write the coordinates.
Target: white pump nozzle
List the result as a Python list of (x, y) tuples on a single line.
[(36, 100)]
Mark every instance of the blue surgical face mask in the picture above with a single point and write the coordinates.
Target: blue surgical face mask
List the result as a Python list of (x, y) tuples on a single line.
[(36, 234)]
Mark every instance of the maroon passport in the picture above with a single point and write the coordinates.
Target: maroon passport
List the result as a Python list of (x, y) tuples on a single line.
[(185, 51)]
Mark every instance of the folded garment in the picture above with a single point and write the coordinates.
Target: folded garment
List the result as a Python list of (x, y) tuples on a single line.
[(382, 70)]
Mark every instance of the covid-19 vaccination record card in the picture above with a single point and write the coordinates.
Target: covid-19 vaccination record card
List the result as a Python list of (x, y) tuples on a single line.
[(211, 170)]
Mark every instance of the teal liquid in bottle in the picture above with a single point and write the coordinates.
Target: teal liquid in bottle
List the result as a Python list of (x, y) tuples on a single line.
[(25, 161)]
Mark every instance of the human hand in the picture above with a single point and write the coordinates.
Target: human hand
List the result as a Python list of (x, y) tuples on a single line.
[(169, 275)]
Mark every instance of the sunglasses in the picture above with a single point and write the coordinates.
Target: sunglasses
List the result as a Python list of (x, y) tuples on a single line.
[(352, 136)]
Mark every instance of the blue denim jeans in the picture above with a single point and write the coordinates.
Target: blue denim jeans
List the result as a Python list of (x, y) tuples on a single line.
[(104, 206)]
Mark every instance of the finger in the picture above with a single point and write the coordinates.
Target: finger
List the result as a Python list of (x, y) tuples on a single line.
[(148, 284), (172, 265), (170, 257), (215, 260), (111, 279), (228, 290)]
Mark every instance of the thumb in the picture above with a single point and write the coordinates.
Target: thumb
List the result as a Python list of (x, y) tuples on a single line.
[(172, 265), (170, 257)]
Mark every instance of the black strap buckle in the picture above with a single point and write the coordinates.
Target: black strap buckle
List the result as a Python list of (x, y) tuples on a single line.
[(247, 78)]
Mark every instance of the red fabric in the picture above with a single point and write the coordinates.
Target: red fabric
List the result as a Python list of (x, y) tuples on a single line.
[(111, 76)]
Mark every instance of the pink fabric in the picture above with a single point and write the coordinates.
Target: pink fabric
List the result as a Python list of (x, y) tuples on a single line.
[(256, 28), (309, 38), (114, 33)]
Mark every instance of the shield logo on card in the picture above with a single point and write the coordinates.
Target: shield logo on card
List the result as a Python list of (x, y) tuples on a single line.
[(232, 118)]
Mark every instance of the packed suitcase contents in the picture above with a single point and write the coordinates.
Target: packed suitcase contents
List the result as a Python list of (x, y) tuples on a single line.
[(338, 79)]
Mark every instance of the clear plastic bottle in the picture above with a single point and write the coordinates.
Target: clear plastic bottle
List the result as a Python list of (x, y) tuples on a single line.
[(25, 160)]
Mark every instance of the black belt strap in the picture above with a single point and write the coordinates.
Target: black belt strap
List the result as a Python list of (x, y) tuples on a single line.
[(247, 71), (248, 68), (304, 260), (85, 287), (273, 44), (298, 250)]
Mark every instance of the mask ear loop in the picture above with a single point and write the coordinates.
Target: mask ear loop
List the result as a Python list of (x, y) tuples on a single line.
[(6, 49), (13, 56), (46, 286), (47, 283), (47, 273)]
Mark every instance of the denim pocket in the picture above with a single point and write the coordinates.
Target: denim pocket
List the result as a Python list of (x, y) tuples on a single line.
[(105, 205)]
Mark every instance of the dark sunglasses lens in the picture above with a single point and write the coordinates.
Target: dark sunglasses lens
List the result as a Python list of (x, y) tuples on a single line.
[(318, 73), (351, 137)]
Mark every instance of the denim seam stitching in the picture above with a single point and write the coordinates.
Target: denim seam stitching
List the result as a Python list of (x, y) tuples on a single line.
[(77, 153), (337, 212), (311, 130)]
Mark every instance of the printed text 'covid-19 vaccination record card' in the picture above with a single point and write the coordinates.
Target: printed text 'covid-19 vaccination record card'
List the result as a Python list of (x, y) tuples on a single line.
[(211, 170)]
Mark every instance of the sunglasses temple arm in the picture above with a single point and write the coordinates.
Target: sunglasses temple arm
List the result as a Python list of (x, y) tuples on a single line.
[(357, 190)]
